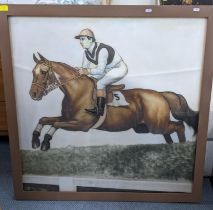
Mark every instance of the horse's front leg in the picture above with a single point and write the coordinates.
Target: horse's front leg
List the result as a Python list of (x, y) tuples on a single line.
[(36, 133), (73, 125), (69, 125)]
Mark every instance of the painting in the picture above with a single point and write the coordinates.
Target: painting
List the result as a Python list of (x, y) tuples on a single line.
[(99, 111), (91, 102)]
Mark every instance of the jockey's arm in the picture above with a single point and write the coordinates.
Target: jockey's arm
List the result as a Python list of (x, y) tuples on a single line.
[(85, 62), (84, 67)]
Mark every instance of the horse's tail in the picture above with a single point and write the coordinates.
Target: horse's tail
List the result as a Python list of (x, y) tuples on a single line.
[(181, 110)]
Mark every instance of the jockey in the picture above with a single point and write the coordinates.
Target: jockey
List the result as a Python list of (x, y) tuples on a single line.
[(101, 62)]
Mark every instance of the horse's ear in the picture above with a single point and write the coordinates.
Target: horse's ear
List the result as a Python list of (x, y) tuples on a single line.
[(35, 59), (42, 58)]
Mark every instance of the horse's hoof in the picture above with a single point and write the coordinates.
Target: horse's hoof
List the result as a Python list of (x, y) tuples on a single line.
[(35, 143), (169, 142), (45, 145), (35, 140)]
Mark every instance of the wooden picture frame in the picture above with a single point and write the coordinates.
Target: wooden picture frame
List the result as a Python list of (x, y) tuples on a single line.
[(10, 51)]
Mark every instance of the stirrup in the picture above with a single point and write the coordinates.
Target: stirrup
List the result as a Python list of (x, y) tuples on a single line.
[(93, 111), (100, 112)]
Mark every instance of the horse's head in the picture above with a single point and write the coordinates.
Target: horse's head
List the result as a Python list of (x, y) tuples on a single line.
[(43, 78)]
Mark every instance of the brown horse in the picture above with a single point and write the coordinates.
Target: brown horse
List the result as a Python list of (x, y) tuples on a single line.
[(148, 110)]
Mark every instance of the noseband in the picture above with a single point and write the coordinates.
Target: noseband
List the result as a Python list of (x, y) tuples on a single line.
[(51, 80)]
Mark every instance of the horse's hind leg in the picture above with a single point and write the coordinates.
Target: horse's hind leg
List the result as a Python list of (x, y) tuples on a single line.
[(168, 138), (177, 127), (141, 128)]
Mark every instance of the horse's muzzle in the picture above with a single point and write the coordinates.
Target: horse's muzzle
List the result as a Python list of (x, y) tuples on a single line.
[(35, 96)]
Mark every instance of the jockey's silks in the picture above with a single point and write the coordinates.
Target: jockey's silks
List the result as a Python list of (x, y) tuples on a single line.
[(93, 57)]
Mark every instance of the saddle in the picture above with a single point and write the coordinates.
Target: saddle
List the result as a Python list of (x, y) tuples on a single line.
[(110, 89)]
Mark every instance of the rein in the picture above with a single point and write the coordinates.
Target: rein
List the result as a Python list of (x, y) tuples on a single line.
[(54, 83)]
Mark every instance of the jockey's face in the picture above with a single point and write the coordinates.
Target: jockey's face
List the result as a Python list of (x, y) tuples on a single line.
[(86, 42)]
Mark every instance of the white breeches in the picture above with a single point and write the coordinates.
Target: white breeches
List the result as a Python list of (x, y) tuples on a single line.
[(113, 75)]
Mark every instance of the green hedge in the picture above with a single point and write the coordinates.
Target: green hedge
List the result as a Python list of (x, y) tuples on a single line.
[(161, 161)]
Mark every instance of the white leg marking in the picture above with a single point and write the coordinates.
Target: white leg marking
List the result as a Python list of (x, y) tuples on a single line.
[(39, 127), (51, 131)]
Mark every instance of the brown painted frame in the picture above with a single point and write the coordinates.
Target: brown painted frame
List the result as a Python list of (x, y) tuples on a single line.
[(115, 12)]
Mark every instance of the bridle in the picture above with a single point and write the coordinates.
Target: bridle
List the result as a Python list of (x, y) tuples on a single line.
[(51, 80)]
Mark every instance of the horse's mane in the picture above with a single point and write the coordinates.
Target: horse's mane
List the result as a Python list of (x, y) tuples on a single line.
[(74, 70), (68, 67)]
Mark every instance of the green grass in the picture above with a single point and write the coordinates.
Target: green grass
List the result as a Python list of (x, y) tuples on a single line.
[(160, 161)]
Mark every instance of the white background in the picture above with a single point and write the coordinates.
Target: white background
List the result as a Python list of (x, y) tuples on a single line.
[(162, 54)]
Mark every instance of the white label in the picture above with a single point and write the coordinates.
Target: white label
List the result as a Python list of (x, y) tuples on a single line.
[(148, 10), (196, 9)]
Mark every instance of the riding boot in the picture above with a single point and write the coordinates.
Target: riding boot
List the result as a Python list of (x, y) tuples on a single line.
[(99, 109), (101, 101)]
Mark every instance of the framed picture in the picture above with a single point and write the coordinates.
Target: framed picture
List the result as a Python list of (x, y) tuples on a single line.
[(58, 2), (107, 103), (185, 2)]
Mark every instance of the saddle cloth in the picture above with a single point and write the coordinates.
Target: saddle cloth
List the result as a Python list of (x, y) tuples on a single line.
[(118, 100)]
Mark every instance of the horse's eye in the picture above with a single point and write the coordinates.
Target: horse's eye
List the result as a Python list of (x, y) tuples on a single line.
[(43, 72)]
